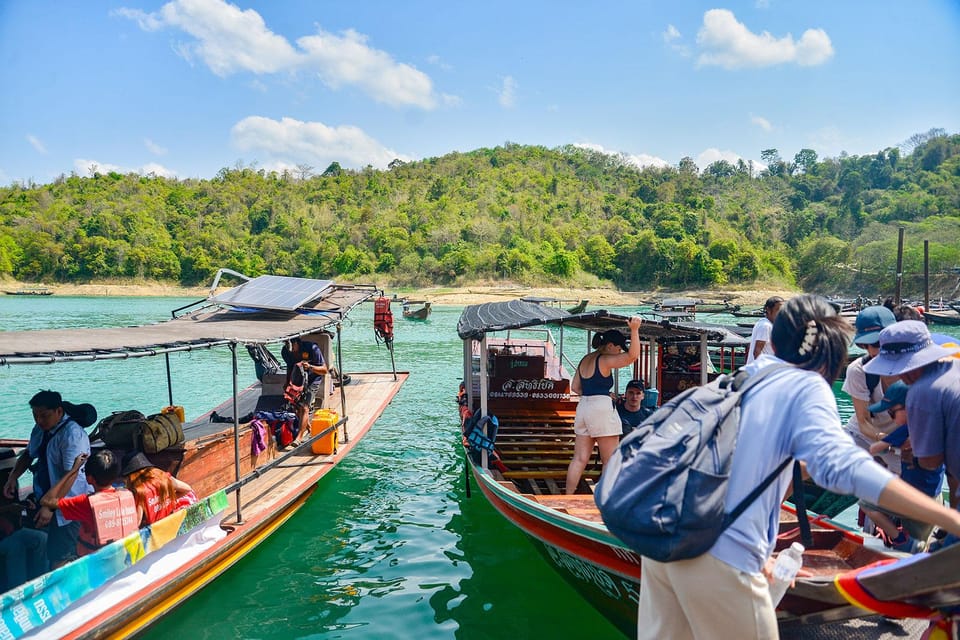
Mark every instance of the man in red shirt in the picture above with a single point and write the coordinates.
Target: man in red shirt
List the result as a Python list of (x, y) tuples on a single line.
[(105, 516)]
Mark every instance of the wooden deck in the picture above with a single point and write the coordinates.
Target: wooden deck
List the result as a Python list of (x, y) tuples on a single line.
[(367, 396)]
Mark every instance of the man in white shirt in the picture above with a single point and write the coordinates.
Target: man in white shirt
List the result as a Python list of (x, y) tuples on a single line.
[(760, 337)]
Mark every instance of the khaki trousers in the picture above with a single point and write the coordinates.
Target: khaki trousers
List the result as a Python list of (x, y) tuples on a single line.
[(703, 599)]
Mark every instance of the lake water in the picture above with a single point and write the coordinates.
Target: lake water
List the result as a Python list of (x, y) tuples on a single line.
[(387, 547)]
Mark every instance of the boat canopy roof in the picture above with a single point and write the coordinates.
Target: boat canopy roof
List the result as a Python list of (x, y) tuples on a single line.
[(212, 322), (480, 319)]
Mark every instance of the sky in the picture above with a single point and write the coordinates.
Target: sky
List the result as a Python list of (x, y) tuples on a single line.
[(188, 87)]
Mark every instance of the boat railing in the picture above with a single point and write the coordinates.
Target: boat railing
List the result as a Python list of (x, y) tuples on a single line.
[(257, 472)]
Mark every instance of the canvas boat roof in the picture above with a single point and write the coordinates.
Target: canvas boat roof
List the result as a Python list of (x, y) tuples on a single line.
[(213, 323), (480, 319)]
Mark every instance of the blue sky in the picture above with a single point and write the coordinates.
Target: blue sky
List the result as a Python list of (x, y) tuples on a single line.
[(187, 87)]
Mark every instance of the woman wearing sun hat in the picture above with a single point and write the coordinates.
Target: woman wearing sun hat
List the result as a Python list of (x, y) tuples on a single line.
[(156, 492), (933, 404), (865, 426)]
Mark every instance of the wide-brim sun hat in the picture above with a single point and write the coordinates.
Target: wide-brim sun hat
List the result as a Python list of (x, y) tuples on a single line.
[(905, 346), (870, 322), (135, 461)]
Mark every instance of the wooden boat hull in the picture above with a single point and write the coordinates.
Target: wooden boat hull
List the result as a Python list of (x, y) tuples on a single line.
[(593, 561), (419, 314), (943, 317)]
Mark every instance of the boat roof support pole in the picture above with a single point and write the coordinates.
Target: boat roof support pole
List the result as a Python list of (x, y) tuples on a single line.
[(704, 359), (236, 426), (652, 364), (468, 371), (166, 358), (484, 389), (343, 393)]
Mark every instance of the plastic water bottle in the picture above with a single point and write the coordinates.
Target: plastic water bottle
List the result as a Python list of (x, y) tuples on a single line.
[(785, 570)]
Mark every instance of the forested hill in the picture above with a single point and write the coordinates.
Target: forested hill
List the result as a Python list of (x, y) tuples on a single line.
[(524, 213)]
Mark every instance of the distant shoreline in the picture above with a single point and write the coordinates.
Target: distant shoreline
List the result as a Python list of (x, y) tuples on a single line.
[(470, 294)]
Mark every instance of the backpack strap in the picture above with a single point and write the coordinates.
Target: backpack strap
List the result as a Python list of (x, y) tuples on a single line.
[(872, 379), (729, 518), (799, 501)]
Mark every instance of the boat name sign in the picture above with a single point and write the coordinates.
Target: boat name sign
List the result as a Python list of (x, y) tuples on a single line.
[(541, 389)]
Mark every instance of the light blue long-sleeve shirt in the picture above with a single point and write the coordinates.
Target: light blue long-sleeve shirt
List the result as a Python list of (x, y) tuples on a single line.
[(791, 413)]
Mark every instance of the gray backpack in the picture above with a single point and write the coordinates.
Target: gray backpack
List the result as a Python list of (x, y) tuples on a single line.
[(663, 491)]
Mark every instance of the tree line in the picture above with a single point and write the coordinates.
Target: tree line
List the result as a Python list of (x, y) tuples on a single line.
[(529, 214)]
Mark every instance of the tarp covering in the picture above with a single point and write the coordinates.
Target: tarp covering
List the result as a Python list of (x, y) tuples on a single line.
[(480, 319), (202, 329)]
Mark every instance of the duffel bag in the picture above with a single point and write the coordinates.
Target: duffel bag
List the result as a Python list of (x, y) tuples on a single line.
[(121, 429), (161, 431)]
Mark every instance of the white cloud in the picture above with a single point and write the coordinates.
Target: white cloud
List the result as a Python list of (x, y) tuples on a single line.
[(296, 142), (727, 43), (711, 155), (507, 96), (36, 143), (639, 160), (761, 122), (86, 167), (672, 37), (229, 40), (437, 61), (154, 148)]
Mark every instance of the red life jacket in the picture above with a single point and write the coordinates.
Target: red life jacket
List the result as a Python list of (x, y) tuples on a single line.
[(155, 509), (383, 319), (114, 517)]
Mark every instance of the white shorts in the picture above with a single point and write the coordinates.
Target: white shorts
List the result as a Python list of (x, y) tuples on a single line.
[(597, 417)]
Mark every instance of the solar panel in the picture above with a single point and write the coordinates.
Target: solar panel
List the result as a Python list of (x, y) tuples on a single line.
[(277, 293)]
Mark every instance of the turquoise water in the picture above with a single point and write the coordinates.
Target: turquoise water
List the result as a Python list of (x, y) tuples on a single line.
[(387, 547)]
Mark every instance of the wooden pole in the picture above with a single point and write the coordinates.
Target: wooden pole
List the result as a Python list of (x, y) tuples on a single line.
[(926, 275), (896, 294)]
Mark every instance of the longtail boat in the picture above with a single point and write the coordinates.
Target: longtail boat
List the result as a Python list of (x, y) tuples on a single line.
[(517, 413), (416, 309), (245, 492)]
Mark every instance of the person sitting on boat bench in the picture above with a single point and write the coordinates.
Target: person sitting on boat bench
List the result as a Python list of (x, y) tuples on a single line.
[(156, 492), (630, 407), (307, 355), (104, 516), (55, 443)]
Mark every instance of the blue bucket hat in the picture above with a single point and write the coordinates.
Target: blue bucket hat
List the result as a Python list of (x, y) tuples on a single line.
[(894, 395), (905, 346), (870, 322)]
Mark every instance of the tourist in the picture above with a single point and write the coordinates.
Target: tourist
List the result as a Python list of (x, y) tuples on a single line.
[(933, 404), (865, 427), (596, 420), (55, 442), (102, 469), (308, 356), (23, 551), (760, 336), (909, 535), (157, 493), (791, 413), (630, 407)]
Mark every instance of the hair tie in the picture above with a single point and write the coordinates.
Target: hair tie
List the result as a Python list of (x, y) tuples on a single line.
[(809, 338)]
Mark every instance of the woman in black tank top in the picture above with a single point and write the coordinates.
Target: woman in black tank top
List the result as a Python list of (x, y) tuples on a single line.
[(597, 420)]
